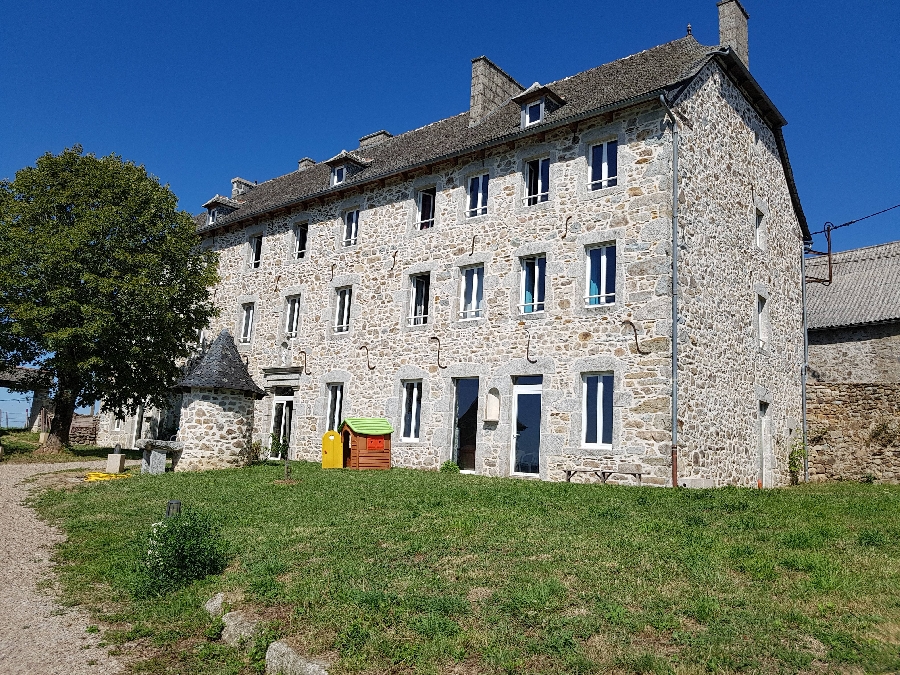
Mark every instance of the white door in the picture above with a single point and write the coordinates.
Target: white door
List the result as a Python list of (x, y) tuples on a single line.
[(282, 419), (526, 425)]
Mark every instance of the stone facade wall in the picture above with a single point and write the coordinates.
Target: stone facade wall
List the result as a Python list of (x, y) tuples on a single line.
[(855, 354), (216, 429), (730, 169), (841, 420), (722, 374)]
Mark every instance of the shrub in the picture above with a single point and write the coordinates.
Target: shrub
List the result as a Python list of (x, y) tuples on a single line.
[(177, 551), (795, 459), (449, 467)]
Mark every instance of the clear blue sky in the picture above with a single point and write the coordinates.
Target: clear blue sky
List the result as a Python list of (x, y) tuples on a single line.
[(202, 92)]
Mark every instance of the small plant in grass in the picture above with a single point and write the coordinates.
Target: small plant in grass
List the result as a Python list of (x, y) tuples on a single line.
[(177, 551), (449, 467), (795, 459)]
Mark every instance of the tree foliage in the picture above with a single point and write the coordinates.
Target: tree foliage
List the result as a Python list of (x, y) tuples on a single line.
[(102, 282)]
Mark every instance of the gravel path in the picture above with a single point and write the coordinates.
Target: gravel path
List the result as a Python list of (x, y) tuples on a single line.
[(37, 636)]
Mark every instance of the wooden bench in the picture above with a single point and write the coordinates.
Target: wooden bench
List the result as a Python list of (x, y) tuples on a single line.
[(602, 474)]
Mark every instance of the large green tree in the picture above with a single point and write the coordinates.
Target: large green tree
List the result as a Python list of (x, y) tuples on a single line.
[(103, 285)]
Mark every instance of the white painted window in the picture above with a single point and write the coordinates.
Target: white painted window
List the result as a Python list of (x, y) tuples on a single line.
[(762, 322), (471, 301), (600, 275), (604, 163), (246, 322), (282, 423), (117, 424), (425, 214), (412, 410), (335, 406), (255, 258), (338, 175), (597, 410), (343, 299), (532, 284), (351, 228), (211, 216), (419, 290), (759, 232), (533, 112), (292, 316), (537, 181), (478, 195), (301, 234)]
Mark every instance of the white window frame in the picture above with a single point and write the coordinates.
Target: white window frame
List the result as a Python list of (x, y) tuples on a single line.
[(254, 257), (339, 174), (291, 316), (601, 422), (605, 180), (415, 318), (423, 223), (605, 297), (543, 190), (300, 251), (335, 410), (759, 231), (481, 195), (117, 423), (248, 309), (537, 306), (476, 310), (343, 300), (211, 216), (527, 121), (350, 236), (412, 403), (763, 328)]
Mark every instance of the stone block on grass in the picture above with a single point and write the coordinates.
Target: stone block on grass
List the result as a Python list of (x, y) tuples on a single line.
[(282, 659), (115, 463), (239, 628)]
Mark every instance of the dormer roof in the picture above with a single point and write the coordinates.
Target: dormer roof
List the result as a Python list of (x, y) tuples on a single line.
[(347, 157), (219, 200), (536, 91)]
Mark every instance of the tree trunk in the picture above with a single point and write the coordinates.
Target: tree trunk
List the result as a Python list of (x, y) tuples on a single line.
[(64, 411)]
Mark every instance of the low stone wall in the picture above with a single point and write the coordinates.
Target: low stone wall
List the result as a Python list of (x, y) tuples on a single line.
[(84, 429), (843, 424)]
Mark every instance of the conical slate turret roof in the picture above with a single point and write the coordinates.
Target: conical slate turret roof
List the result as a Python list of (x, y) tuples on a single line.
[(221, 367)]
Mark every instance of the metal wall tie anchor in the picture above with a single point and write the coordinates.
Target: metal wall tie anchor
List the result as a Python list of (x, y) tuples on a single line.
[(636, 344), (306, 369), (439, 351), (368, 363)]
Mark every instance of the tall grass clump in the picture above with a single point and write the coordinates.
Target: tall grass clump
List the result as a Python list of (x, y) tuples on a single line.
[(177, 551)]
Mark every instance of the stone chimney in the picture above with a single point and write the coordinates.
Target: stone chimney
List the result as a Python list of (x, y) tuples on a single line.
[(491, 88), (305, 164), (374, 139), (733, 28), (240, 186)]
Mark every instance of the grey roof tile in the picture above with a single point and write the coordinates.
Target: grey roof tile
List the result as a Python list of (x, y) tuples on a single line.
[(221, 367), (865, 287)]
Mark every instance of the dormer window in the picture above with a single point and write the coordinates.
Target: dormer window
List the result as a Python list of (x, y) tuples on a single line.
[(211, 216), (533, 112), (338, 175)]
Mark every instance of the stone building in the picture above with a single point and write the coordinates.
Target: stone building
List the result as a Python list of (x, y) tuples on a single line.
[(498, 284), (853, 389)]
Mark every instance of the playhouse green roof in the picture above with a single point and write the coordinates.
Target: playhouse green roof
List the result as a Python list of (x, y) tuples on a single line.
[(368, 426)]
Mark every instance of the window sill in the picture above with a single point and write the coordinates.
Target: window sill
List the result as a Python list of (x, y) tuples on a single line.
[(527, 476), (603, 192), (410, 441), (470, 219), (532, 316), (418, 326), (469, 472)]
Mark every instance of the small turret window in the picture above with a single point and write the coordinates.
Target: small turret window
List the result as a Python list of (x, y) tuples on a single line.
[(534, 112), (338, 175)]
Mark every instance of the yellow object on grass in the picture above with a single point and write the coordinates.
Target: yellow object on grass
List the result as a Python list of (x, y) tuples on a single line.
[(100, 475), (332, 451)]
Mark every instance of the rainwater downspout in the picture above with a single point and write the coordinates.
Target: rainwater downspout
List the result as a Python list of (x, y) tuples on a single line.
[(676, 125), (805, 365)]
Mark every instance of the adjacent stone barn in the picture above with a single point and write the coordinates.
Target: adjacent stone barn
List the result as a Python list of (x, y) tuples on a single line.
[(499, 284), (853, 389)]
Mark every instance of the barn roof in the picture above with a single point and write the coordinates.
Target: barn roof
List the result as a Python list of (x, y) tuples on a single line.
[(865, 287)]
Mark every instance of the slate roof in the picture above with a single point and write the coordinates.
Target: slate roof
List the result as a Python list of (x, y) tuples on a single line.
[(643, 76), (221, 367), (20, 374), (865, 287)]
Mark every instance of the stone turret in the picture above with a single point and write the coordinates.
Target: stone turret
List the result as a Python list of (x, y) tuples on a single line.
[(217, 409)]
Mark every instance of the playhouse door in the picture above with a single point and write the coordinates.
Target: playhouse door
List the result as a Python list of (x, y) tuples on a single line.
[(526, 442)]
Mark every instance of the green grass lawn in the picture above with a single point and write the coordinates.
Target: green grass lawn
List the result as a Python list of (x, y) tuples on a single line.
[(420, 572), (19, 447)]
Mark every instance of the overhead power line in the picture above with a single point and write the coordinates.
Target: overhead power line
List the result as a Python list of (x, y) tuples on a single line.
[(850, 222)]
